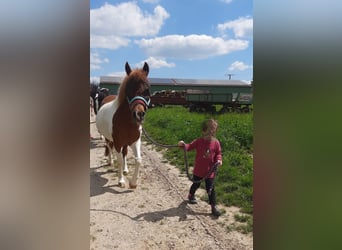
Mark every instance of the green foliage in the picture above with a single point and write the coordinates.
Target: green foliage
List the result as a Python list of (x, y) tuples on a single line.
[(234, 182), (241, 218), (247, 223), (242, 224)]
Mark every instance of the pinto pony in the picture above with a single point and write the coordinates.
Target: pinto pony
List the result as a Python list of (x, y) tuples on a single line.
[(109, 144), (108, 98), (119, 120)]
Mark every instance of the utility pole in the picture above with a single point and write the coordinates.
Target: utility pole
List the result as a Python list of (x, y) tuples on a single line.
[(229, 76)]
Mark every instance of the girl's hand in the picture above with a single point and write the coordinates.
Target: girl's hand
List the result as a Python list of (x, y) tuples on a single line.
[(219, 162), (181, 144)]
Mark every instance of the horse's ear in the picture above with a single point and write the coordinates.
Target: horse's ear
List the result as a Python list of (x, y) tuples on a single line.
[(127, 68), (146, 68)]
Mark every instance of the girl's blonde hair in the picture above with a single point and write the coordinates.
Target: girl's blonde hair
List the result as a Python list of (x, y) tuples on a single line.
[(209, 128)]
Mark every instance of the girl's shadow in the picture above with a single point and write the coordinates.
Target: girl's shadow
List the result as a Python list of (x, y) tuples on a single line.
[(182, 211)]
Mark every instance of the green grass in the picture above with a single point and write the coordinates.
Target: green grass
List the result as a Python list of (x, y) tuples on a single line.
[(234, 182)]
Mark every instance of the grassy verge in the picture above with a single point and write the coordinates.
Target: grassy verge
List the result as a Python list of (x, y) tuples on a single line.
[(234, 182)]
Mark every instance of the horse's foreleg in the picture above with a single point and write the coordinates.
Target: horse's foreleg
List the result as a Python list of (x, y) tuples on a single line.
[(120, 163), (136, 150)]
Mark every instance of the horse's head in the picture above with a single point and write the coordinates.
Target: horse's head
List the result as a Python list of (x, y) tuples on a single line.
[(137, 91), (94, 89)]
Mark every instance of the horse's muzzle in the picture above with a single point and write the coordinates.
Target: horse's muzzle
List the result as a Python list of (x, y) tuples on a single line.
[(139, 116)]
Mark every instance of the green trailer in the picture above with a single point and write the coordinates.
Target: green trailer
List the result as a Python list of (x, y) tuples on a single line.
[(200, 94)]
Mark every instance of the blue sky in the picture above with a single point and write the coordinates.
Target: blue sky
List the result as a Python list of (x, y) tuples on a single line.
[(202, 39)]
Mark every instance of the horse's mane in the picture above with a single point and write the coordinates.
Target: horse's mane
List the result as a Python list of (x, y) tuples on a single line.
[(135, 76), (121, 91)]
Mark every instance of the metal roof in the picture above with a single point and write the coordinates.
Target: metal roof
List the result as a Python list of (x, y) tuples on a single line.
[(178, 81), (111, 79)]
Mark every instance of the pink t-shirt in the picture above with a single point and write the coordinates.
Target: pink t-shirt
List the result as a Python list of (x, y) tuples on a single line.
[(208, 152)]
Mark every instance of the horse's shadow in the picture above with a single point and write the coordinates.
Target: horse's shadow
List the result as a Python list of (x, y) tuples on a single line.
[(97, 185)]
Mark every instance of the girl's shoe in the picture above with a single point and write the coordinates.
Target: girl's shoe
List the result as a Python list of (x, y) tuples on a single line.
[(192, 199), (215, 211)]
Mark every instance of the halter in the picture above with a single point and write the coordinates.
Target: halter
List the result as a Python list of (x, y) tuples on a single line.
[(139, 98)]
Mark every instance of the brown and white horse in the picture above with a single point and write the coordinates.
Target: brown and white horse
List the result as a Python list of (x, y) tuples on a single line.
[(119, 121), (109, 144)]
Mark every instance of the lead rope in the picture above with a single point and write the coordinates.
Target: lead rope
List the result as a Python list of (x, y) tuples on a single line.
[(186, 165)]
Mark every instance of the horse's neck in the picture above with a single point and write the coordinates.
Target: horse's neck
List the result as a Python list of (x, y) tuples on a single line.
[(125, 131)]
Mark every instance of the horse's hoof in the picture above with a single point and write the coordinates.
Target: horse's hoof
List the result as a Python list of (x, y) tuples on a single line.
[(122, 185), (125, 173), (132, 186)]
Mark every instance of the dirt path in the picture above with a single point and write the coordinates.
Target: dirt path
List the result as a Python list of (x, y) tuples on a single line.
[(156, 214)]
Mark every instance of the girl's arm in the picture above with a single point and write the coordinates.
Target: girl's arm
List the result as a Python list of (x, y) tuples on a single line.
[(189, 146), (218, 157)]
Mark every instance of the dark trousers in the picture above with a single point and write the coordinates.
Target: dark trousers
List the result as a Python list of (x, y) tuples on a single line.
[(209, 186)]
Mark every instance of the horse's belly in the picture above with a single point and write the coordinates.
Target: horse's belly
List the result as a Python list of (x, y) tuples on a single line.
[(104, 119)]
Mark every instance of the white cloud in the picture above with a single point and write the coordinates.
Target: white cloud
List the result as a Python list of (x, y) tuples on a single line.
[(190, 47), (94, 66), (239, 66), (108, 42), (156, 63), (95, 79), (96, 61), (126, 19), (227, 1), (242, 27), (117, 73)]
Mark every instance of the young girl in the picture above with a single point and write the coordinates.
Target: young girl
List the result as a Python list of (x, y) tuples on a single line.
[(208, 152)]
